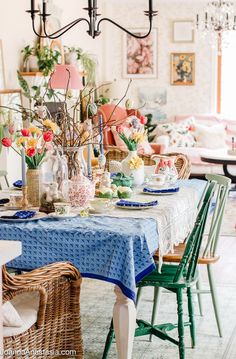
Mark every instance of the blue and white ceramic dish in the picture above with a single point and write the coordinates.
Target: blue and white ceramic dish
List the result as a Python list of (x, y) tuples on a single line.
[(161, 191), (136, 205), (17, 184)]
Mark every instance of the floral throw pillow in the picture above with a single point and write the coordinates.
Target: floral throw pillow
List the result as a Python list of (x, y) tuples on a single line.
[(180, 135)]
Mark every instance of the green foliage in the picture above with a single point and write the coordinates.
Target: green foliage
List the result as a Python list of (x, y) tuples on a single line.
[(150, 127), (27, 51), (103, 100), (47, 59), (24, 85), (34, 162), (130, 143)]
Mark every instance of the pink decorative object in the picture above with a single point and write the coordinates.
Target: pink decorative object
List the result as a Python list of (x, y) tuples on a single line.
[(81, 191), (166, 166), (66, 77)]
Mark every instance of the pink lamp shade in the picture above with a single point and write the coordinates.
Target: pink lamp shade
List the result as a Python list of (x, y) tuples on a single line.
[(66, 77)]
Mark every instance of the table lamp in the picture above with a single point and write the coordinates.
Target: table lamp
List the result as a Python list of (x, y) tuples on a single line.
[(66, 77)]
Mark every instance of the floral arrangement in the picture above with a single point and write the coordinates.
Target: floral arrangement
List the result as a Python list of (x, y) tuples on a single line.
[(133, 133), (35, 140)]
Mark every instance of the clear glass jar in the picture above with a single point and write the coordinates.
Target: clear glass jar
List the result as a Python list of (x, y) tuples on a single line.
[(54, 184)]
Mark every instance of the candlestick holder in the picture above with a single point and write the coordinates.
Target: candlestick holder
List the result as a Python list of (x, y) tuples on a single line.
[(25, 203)]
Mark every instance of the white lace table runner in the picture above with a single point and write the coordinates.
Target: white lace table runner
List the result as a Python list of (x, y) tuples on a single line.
[(175, 216)]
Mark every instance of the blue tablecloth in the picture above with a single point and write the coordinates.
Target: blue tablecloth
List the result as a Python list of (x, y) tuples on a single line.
[(117, 250)]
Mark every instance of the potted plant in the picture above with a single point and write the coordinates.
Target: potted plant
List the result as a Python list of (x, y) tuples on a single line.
[(47, 59), (27, 52), (84, 61)]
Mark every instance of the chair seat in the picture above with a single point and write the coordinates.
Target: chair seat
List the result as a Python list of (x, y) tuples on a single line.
[(178, 254), (165, 278)]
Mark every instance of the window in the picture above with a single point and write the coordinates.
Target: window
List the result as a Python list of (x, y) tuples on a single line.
[(228, 82)]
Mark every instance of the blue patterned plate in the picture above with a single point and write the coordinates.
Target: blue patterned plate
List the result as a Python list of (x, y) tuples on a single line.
[(161, 191), (135, 205)]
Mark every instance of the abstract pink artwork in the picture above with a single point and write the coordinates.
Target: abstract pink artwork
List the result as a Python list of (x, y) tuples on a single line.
[(140, 55)]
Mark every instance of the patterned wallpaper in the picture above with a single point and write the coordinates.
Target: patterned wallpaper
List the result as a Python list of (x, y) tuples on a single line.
[(180, 99)]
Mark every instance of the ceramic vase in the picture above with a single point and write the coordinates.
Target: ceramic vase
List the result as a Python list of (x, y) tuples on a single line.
[(137, 174)]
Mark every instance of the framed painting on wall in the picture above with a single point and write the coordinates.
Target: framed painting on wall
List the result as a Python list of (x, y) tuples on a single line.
[(140, 55), (2, 70), (182, 31), (182, 69)]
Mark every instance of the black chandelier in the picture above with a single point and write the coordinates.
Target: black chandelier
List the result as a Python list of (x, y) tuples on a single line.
[(93, 23)]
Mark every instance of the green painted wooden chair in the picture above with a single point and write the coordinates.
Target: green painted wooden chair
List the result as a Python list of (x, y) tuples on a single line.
[(208, 254), (4, 174), (176, 278)]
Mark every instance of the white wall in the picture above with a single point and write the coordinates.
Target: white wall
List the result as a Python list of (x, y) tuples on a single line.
[(180, 99), (16, 32)]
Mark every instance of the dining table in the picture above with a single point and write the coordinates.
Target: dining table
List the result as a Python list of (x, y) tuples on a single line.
[(116, 246)]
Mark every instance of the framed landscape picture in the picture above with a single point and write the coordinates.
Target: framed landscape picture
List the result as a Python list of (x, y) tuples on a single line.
[(182, 69), (182, 31), (140, 55), (11, 100)]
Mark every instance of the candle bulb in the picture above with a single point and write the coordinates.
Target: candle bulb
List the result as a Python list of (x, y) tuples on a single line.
[(32, 5), (44, 7), (101, 134), (150, 6), (23, 173)]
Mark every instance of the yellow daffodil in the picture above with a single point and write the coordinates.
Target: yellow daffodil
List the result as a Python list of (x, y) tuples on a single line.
[(21, 141), (52, 125), (32, 142), (138, 137), (135, 163), (35, 130)]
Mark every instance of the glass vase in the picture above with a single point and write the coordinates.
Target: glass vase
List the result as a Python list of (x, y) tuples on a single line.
[(75, 161), (53, 181)]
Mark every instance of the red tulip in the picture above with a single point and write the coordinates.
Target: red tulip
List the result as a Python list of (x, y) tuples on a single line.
[(25, 132), (31, 152), (48, 136), (120, 129), (143, 120), (7, 142)]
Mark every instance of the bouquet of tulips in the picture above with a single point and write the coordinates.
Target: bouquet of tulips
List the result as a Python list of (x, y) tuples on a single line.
[(133, 132), (36, 141)]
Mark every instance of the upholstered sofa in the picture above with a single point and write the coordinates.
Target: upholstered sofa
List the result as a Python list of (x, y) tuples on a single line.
[(195, 152)]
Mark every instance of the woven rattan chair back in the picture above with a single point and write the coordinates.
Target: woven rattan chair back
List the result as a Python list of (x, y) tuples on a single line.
[(115, 154), (58, 326)]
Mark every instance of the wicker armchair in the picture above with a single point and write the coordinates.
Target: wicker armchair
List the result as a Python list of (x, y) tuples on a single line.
[(182, 162), (58, 325), (115, 154)]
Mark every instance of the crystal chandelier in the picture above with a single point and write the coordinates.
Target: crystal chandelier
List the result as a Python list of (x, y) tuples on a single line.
[(219, 20), (92, 21)]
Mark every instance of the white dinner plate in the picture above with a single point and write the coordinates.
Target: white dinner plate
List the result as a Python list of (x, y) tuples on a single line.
[(37, 216)]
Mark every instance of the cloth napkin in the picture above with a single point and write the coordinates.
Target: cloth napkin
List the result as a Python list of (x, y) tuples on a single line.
[(21, 215), (4, 201), (125, 203), (166, 190)]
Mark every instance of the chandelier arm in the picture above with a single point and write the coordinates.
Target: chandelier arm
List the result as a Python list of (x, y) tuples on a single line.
[(63, 30), (125, 30)]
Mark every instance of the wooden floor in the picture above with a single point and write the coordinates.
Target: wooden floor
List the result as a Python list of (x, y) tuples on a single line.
[(97, 301)]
